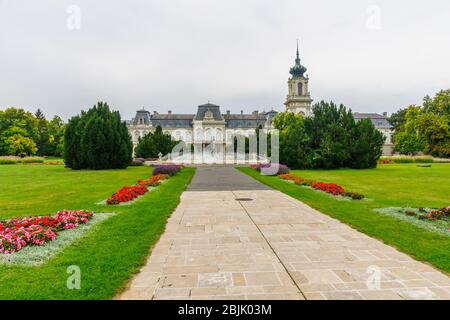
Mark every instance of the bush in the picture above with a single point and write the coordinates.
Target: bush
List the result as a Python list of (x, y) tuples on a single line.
[(366, 145), (97, 139), (154, 143), (170, 169), (330, 139)]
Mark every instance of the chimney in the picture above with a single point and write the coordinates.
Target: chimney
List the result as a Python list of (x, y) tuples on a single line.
[(255, 113), (169, 112), (228, 112), (242, 112)]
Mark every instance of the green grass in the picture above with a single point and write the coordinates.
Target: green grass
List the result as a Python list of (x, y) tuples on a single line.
[(391, 185), (110, 252)]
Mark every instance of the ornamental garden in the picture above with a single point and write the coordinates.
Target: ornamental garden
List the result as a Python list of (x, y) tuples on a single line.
[(73, 194)]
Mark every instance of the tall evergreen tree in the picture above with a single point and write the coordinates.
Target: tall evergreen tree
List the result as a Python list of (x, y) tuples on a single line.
[(366, 146), (97, 139), (42, 134), (329, 129)]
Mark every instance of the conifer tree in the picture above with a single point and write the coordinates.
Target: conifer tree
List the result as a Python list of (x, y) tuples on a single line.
[(97, 139)]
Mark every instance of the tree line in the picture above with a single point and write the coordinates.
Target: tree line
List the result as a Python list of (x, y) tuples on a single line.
[(424, 128), (330, 139), (23, 133)]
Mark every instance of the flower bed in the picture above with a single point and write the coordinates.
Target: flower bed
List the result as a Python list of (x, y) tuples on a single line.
[(154, 180), (330, 188), (436, 220), (20, 232), (435, 214), (169, 169), (126, 194)]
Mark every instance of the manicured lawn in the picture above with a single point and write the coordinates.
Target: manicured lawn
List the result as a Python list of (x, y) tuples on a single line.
[(392, 185), (108, 254)]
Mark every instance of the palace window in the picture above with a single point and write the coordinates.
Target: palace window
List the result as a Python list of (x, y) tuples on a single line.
[(300, 88)]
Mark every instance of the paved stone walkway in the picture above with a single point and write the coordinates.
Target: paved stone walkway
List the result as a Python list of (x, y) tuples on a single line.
[(273, 247)]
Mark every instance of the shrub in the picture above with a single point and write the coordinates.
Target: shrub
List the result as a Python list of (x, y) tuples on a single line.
[(97, 139), (366, 145), (331, 138), (154, 143), (169, 169)]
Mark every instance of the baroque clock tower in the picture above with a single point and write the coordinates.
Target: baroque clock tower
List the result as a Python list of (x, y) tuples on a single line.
[(298, 99)]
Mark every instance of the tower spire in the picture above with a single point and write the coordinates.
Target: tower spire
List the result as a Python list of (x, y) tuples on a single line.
[(297, 70)]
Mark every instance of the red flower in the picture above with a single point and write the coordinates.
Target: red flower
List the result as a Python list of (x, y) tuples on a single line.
[(127, 194)]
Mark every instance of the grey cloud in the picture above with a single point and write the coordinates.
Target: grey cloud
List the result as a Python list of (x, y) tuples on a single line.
[(178, 54)]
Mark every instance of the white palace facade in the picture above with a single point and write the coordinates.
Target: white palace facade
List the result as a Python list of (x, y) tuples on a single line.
[(209, 125)]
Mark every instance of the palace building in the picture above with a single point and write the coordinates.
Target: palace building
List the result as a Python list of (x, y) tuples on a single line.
[(210, 126)]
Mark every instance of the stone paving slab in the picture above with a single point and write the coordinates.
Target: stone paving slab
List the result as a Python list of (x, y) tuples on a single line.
[(274, 247)]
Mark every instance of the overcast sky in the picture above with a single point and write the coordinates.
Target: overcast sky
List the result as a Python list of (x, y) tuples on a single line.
[(372, 56)]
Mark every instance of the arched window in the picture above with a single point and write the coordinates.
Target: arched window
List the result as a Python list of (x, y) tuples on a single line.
[(300, 88), (199, 134), (219, 136), (208, 134)]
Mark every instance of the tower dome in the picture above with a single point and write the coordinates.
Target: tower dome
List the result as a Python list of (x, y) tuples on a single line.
[(297, 70)]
